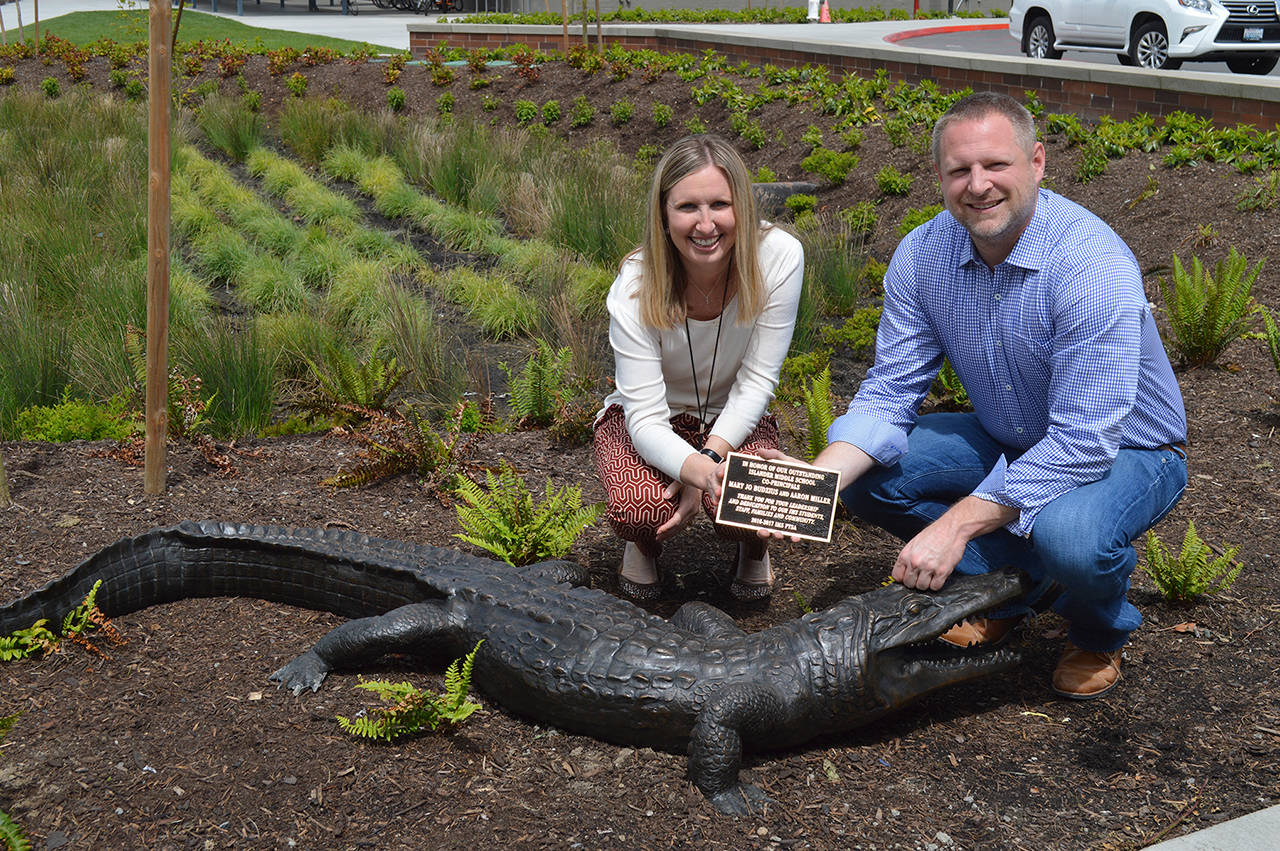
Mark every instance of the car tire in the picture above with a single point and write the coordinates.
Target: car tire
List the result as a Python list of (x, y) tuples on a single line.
[(1039, 39), (1126, 59), (1252, 64), (1150, 48)]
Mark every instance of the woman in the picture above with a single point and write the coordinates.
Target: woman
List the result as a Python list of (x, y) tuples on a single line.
[(701, 316)]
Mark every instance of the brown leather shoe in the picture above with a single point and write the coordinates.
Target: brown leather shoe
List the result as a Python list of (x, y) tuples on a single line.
[(1084, 675), (975, 631)]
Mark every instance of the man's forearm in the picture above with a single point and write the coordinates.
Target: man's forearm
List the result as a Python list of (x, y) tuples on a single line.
[(849, 460)]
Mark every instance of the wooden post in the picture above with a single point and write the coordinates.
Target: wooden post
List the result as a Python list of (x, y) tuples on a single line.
[(599, 32), (22, 35), (4, 34), (586, 41), (5, 499), (157, 413), (36, 12), (563, 23)]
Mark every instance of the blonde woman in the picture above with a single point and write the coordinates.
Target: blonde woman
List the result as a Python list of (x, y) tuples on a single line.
[(701, 316)]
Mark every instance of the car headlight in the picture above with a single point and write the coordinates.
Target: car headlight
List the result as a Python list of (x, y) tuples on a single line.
[(1200, 5)]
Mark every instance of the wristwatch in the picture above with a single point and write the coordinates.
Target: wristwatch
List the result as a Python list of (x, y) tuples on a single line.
[(712, 454)]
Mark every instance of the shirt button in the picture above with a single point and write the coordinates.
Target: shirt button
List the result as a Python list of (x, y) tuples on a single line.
[(1018, 430), (999, 344), (996, 296), (1010, 387)]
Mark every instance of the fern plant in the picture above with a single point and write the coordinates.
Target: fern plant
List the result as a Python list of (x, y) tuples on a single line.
[(1271, 335), (1191, 574), (412, 710), (11, 833), (819, 411), (538, 390), (1209, 310), (504, 519), (347, 385), (948, 390), (405, 442), (77, 625)]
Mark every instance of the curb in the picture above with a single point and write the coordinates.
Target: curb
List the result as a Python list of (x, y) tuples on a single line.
[(903, 35)]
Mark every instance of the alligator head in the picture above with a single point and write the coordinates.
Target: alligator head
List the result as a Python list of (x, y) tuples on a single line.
[(904, 662)]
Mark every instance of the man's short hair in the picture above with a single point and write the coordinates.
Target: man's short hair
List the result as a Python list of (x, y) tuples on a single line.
[(980, 105)]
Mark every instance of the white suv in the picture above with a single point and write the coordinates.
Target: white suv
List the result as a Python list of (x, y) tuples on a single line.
[(1153, 33)]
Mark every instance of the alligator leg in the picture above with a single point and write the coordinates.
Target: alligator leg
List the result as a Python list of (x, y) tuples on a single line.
[(706, 620), (715, 745), (401, 630)]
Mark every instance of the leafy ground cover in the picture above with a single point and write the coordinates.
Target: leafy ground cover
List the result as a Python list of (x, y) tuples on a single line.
[(177, 741)]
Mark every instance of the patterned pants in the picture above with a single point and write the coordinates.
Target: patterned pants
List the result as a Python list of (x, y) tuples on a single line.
[(634, 489)]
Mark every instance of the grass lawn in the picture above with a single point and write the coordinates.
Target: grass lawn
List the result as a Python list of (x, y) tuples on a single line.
[(128, 26)]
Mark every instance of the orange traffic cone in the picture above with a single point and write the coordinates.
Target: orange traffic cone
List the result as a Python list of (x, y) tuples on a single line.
[(824, 14)]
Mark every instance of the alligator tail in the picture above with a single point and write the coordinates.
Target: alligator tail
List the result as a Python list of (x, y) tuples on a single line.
[(336, 571)]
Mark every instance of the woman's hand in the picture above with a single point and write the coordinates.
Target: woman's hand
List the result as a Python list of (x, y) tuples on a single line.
[(686, 509)]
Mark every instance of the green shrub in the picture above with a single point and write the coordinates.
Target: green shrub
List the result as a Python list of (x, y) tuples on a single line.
[(620, 113), (860, 218), (115, 77), (695, 125), (765, 175), (858, 331), (582, 112), (411, 710), (1263, 194), (6, 75), (917, 216), (1208, 311), (490, 102), (296, 84), (395, 98), (135, 90), (852, 137), (890, 181), (832, 165), (662, 115), (526, 111), (75, 419), (444, 103), (504, 519), (550, 112), (801, 203), (647, 155), (1191, 574), (50, 87)]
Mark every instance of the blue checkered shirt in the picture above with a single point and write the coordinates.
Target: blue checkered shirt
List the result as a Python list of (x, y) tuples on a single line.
[(1056, 347)]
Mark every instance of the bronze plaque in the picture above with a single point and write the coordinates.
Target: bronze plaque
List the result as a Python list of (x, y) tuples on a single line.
[(778, 496)]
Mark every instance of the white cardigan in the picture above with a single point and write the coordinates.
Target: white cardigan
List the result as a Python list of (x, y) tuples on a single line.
[(652, 372)]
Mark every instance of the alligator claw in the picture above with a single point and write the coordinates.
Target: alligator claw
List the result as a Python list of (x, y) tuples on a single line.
[(306, 672), (741, 800)]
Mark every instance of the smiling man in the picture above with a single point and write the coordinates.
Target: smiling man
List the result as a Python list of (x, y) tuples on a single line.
[(1076, 443)]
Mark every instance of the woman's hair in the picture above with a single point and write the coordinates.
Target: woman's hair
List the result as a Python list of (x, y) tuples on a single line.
[(662, 280)]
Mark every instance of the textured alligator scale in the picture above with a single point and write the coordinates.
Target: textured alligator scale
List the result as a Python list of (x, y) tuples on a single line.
[(554, 650)]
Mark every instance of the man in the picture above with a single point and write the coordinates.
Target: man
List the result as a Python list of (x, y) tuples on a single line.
[(1076, 445)]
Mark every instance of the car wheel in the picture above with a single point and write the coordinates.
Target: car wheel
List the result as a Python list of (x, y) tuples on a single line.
[(1150, 48), (1252, 64), (1040, 39)]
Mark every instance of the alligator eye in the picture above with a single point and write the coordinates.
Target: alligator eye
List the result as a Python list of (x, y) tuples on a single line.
[(915, 607)]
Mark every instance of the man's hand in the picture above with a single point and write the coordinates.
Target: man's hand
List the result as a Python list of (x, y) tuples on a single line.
[(930, 557)]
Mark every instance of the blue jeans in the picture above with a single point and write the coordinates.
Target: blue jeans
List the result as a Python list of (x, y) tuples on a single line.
[(1083, 540)]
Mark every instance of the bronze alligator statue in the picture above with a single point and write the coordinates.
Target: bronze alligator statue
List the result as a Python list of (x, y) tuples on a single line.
[(557, 651)]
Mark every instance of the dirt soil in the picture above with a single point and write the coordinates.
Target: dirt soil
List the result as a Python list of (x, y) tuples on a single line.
[(179, 741)]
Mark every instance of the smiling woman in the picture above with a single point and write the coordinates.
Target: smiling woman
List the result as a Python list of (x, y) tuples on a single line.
[(701, 317)]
